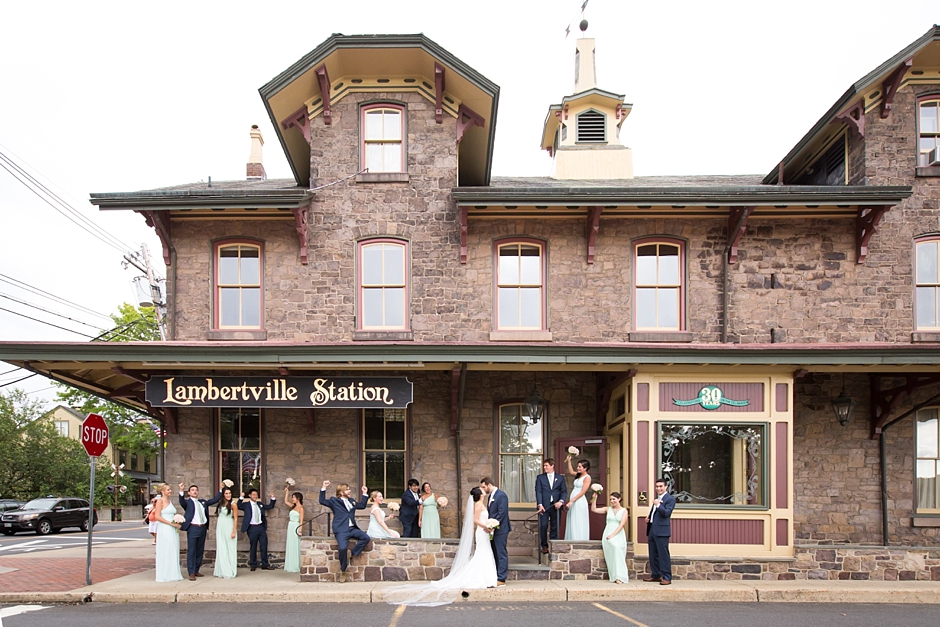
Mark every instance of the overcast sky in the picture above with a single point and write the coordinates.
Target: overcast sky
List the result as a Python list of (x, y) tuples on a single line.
[(119, 96)]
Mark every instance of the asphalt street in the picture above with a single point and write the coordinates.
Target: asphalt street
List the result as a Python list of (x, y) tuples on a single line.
[(608, 614), (104, 533)]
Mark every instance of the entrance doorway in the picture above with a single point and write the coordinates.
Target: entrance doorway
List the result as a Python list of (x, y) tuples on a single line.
[(595, 451)]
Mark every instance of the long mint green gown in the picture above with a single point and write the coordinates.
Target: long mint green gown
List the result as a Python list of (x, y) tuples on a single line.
[(430, 519), (226, 547), (292, 548), (615, 549), (168, 548), (578, 525)]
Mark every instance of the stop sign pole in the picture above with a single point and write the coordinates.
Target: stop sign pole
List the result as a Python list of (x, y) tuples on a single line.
[(94, 437)]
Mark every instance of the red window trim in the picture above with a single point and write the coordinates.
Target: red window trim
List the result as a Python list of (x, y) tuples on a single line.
[(218, 244), (683, 280), (917, 241), (543, 245), (359, 299), (921, 99), (365, 108)]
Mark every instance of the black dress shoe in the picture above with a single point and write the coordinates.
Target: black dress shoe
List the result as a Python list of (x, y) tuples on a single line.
[(657, 579), (545, 550), (253, 568), (268, 567)]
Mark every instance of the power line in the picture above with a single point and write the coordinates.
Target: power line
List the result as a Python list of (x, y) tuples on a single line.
[(9, 371), (48, 311), (16, 313), (3, 385), (39, 292), (103, 236), (63, 203)]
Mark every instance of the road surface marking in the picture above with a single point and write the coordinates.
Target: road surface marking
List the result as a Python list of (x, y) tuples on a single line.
[(22, 544), (19, 609), (398, 612), (626, 618)]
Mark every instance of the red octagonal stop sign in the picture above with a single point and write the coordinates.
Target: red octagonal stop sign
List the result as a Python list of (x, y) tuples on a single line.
[(94, 435)]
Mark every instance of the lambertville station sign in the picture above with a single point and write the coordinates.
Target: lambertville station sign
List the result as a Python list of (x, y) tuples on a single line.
[(326, 392)]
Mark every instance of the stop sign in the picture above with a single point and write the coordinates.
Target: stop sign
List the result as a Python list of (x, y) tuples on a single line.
[(94, 435)]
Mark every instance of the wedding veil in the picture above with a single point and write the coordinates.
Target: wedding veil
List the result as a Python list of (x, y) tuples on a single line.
[(445, 590)]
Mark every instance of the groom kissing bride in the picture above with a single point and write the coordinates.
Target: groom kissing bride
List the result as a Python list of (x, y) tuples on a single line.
[(498, 509)]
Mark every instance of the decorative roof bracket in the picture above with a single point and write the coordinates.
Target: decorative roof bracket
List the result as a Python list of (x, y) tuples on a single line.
[(300, 224), (159, 222), (855, 118), (591, 230), (170, 420), (438, 93), (866, 223), (884, 402), (619, 110), (890, 86), (467, 117), (737, 225), (299, 120), (463, 234), (324, 80)]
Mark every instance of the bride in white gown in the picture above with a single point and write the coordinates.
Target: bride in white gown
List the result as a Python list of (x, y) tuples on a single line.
[(466, 573)]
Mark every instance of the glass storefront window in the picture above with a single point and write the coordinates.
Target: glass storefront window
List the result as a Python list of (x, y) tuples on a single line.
[(384, 448), (714, 464), (240, 448)]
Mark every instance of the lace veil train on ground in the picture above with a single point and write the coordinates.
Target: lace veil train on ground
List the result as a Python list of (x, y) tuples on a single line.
[(445, 590)]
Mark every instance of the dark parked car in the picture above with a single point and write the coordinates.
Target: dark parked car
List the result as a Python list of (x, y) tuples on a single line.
[(8, 504), (47, 515)]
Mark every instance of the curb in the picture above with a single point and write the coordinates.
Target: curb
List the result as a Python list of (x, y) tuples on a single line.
[(42, 598)]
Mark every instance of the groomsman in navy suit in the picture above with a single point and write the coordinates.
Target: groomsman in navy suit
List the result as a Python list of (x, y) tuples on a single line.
[(408, 515), (344, 522), (255, 524), (196, 525), (658, 531), (499, 509), (550, 494)]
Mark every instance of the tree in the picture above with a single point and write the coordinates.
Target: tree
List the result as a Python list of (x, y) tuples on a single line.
[(137, 324), (34, 459)]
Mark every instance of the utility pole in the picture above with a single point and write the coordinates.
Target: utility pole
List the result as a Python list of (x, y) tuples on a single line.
[(159, 306)]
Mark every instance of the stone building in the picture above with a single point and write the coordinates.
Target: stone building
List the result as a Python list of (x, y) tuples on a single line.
[(700, 328)]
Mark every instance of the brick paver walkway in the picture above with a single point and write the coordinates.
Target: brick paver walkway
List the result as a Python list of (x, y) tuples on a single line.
[(60, 574)]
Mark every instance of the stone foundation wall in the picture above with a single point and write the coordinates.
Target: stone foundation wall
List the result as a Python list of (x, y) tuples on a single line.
[(383, 560), (856, 563), (581, 560)]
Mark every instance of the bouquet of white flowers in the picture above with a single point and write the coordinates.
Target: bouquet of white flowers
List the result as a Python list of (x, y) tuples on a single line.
[(290, 482), (394, 507), (442, 501), (492, 524), (597, 487), (573, 450), (179, 518), (228, 483)]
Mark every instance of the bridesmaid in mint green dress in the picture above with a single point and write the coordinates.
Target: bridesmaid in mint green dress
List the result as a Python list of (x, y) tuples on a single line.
[(168, 537), (226, 542), (428, 518), (615, 538), (578, 524), (295, 502)]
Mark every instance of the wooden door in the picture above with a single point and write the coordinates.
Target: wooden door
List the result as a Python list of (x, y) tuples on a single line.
[(595, 451)]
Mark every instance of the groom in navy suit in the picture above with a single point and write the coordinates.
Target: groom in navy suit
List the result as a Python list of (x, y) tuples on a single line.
[(498, 509), (255, 524), (196, 525), (410, 502), (550, 494), (344, 522)]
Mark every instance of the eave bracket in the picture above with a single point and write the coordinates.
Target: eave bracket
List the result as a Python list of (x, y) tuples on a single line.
[(737, 225), (890, 86), (300, 120), (866, 223), (323, 78), (855, 118), (884, 402), (467, 117), (591, 230), (159, 221)]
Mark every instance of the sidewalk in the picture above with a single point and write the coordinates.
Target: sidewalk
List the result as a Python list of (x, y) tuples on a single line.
[(123, 573)]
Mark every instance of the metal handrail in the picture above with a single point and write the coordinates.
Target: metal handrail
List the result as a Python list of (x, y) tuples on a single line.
[(528, 524), (309, 523)]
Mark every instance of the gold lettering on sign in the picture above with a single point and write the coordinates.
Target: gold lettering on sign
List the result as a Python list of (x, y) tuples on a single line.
[(323, 393)]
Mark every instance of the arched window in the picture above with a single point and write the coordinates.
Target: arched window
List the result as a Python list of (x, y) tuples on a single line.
[(382, 132), (383, 285), (658, 286), (928, 130), (238, 272), (520, 285), (927, 285)]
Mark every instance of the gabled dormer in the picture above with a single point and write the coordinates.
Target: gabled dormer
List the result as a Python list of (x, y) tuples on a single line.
[(582, 134)]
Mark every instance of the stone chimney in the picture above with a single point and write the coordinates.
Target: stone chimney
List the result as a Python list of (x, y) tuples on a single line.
[(584, 76), (255, 167)]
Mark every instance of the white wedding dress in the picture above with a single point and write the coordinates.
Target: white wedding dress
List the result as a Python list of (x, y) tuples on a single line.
[(466, 573)]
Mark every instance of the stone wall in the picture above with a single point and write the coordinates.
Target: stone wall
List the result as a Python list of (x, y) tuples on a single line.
[(581, 560), (382, 560)]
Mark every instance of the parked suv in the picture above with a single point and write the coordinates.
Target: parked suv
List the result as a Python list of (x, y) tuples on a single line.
[(8, 504), (47, 515)]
